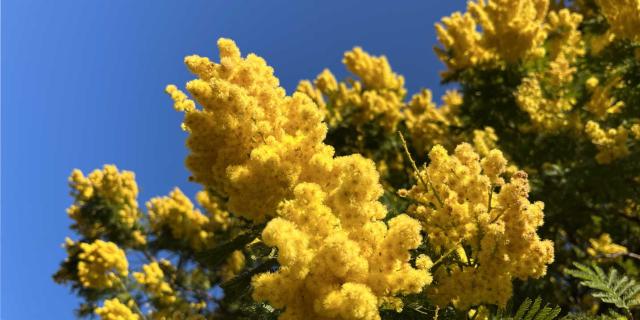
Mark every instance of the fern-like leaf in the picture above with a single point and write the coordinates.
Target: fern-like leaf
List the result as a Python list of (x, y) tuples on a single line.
[(621, 291), (533, 310)]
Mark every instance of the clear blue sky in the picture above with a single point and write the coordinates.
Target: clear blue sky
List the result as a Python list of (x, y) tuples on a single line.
[(82, 85)]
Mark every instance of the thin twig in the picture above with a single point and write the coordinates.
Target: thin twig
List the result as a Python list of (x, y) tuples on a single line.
[(490, 197), (136, 309), (627, 254), (428, 185), (455, 247)]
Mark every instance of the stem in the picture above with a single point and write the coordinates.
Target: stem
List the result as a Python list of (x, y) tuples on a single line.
[(428, 185), (490, 197), (475, 314), (628, 254), (136, 309), (446, 254)]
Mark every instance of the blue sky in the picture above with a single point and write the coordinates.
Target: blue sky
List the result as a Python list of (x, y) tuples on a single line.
[(82, 85)]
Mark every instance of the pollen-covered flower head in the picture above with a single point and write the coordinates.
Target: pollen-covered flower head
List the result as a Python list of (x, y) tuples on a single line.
[(249, 141), (113, 309), (184, 222), (623, 17), (510, 31), (101, 264), (430, 125), (336, 259), (152, 279), (375, 96), (109, 188), (468, 207)]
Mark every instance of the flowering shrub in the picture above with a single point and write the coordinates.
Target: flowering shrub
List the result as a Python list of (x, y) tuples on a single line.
[(349, 199)]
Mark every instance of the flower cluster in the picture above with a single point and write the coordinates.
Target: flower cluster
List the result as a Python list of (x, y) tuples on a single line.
[(234, 264), (623, 17), (177, 214), (602, 103), (545, 96), (337, 258), (564, 37), (107, 188), (249, 142), (545, 114), (603, 246), (467, 207), (511, 31), (462, 42), (611, 143), (101, 264), (430, 125), (219, 218), (265, 151), (152, 278), (376, 97), (113, 309)]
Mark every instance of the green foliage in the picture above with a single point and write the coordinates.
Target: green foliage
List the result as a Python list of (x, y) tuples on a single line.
[(215, 256), (612, 315), (532, 310), (610, 287)]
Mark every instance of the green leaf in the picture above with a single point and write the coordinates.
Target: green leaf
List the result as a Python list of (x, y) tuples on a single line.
[(241, 284), (533, 310), (621, 291), (217, 255)]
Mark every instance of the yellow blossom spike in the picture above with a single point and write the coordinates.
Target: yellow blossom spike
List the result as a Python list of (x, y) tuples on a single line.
[(265, 152), (177, 214), (498, 230), (101, 264), (623, 17), (611, 143), (113, 309)]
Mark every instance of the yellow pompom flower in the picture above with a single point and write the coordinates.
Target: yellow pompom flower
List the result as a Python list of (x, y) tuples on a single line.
[(265, 151), (139, 238), (546, 95), (512, 29), (611, 143), (452, 99), (306, 87), (430, 125), (250, 142), (101, 264), (375, 72), (635, 130), (484, 141), (623, 17), (603, 246), (545, 114), (337, 258), (592, 83), (234, 264), (462, 210), (461, 42), (564, 37), (218, 217), (152, 278), (423, 262), (117, 189), (602, 103), (326, 81), (113, 309), (377, 96), (177, 214)]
